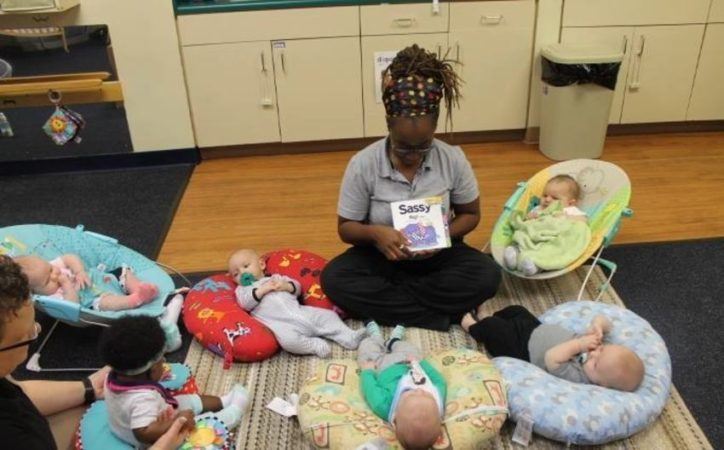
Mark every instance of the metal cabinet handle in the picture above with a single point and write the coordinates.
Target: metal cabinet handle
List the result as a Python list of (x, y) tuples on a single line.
[(491, 19), (284, 65), (263, 63), (643, 45), (404, 22), (457, 52), (625, 44), (635, 83)]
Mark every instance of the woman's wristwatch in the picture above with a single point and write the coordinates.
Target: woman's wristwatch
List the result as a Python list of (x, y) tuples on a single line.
[(89, 395)]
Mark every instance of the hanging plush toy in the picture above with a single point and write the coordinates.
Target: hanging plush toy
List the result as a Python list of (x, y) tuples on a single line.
[(64, 124)]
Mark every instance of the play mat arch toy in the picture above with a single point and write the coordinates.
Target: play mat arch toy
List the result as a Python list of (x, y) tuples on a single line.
[(211, 434), (605, 195), (586, 414), (98, 252), (212, 315), (333, 414)]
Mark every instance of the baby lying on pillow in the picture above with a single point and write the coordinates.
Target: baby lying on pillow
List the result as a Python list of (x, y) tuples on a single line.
[(515, 332), (273, 302)]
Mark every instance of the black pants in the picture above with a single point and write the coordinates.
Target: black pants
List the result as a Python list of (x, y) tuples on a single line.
[(507, 332), (425, 293)]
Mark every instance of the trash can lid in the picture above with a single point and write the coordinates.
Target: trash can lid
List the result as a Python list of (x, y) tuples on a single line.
[(581, 54)]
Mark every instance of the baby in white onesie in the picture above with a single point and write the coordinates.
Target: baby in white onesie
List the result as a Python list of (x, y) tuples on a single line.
[(273, 301)]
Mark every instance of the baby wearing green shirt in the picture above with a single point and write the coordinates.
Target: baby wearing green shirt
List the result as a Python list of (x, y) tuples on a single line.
[(400, 388)]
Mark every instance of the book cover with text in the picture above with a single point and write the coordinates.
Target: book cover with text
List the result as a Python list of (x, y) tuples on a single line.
[(423, 222)]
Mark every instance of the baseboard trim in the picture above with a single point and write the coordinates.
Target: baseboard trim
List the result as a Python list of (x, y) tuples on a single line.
[(101, 162), (532, 134), (279, 148)]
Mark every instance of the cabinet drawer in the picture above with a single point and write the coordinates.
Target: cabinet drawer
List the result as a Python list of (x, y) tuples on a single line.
[(403, 19), (483, 15), (717, 11), (582, 13), (268, 25)]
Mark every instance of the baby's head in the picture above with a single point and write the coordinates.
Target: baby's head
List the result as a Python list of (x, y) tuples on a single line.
[(42, 276), (417, 420), (246, 261), (133, 346), (562, 188), (614, 366)]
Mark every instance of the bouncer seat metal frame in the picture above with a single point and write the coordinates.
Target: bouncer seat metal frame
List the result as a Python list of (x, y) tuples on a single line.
[(606, 191)]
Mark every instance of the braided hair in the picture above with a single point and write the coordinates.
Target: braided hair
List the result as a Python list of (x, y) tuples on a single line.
[(420, 63)]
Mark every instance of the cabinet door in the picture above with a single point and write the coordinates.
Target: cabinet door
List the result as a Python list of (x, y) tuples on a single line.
[(231, 91), (616, 37), (374, 110), (716, 13), (319, 87), (707, 100), (662, 73), (493, 44)]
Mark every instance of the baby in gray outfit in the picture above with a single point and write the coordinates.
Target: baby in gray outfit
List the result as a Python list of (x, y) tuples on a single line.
[(273, 301)]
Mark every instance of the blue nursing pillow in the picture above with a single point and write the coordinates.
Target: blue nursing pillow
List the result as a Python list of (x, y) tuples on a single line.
[(586, 414)]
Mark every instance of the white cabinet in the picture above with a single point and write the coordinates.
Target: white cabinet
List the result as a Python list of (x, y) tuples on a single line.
[(657, 73), (493, 42), (661, 76), (374, 110), (707, 99), (231, 91), (716, 13), (583, 13), (615, 37), (319, 87), (247, 87)]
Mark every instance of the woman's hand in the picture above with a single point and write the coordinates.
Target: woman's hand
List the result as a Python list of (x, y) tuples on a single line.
[(174, 437), (391, 243), (98, 381)]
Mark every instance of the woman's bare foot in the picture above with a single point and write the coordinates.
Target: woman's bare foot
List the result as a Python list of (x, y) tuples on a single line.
[(468, 321)]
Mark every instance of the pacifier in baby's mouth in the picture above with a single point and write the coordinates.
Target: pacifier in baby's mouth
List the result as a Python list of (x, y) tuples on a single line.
[(246, 279)]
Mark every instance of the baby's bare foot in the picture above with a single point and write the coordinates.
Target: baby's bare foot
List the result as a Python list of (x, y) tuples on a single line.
[(147, 292)]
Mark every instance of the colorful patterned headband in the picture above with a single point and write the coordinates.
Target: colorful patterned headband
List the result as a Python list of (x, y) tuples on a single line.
[(411, 96)]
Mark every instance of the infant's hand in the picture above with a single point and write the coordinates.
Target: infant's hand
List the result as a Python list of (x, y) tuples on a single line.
[(82, 280), (275, 284), (589, 342)]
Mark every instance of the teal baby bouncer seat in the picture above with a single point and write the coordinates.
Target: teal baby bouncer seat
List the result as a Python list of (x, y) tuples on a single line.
[(98, 252)]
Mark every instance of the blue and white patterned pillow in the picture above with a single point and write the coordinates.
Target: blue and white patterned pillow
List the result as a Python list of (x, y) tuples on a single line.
[(587, 414)]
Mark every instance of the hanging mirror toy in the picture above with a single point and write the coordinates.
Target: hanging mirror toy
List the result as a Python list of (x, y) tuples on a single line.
[(64, 125)]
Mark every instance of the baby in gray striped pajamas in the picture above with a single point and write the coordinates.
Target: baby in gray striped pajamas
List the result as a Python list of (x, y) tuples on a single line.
[(273, 301)]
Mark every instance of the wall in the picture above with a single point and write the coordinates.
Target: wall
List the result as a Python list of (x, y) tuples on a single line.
[(146, 50)]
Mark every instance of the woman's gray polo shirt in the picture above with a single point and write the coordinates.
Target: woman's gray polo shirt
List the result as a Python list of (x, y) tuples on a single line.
[(370, 182)]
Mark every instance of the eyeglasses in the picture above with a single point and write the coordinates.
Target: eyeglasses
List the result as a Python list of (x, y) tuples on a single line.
[(423, 149), (36, 332)]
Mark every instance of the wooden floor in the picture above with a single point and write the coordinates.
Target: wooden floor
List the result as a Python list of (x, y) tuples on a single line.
[(274, 202)]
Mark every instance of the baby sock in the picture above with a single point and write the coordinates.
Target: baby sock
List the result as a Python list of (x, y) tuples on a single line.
[(321, 348), (528, 267), (373, 329), (510, 257), (238, 396), (352, 339), (398, 333)]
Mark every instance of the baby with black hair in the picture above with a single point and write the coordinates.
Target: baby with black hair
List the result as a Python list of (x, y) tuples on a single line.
[(140, 409)]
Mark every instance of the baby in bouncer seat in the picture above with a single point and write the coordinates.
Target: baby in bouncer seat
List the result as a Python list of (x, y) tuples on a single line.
[(539, 229), (65, 277)]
